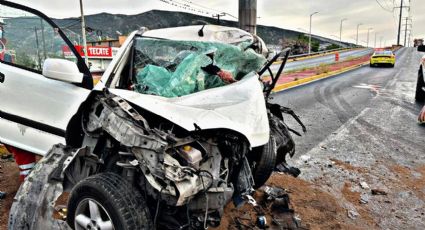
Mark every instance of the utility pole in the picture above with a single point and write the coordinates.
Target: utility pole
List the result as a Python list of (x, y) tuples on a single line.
[(399, 23), (375, 40), (218, 17), (83, 31), (357, 38), (248, 15), (402, 6), (38, 48), (368, 31), (405, 30), (408, 44), (380, 42), (309, 37), (43, 40), (340, 30)]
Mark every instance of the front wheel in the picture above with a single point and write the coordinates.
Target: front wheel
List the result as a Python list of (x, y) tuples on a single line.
[(420, 94), (107, 201), (265, 164)]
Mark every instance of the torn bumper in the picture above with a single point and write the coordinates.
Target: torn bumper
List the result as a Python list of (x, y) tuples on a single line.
[(38, 193)]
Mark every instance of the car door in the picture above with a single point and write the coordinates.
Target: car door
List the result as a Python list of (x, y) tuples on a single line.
[(34, 110)]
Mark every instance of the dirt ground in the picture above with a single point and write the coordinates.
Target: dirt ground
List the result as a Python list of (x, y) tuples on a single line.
[(317, 209), (9, 183)]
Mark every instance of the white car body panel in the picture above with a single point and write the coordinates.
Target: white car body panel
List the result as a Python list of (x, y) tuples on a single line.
[(239, 107), (29, 139), (39, 100), (115, 62)]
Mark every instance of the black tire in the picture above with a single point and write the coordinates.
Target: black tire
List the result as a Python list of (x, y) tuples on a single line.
[(265, 164), (420, 94), (122, 203), (370, 64)]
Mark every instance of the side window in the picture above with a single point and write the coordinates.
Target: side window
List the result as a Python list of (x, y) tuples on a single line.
[(27, 40)]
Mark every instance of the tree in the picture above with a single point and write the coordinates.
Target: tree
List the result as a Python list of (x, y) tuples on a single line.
[(332, 47), (25, 60), (315, 45)]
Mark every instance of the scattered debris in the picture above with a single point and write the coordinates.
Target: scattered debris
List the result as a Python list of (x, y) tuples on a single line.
[(353, 214), (364, 185), (364, 199), (2, 195), (305, 158), (323, 147), (273, 193), (285, 168), (261, 221), (277, 202), (379, 192), (61, 212)]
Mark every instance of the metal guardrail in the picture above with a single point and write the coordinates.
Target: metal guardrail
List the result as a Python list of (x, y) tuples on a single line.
[(292, 57)]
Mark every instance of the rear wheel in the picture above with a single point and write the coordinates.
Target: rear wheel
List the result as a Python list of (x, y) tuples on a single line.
[(107, 201), (420, 94)]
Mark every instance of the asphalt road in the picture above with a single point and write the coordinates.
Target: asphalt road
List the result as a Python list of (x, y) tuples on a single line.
[(362, 127), (326, 105), (327, 59)]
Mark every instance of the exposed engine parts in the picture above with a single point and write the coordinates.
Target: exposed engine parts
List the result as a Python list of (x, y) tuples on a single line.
[(186, 178), (199, 172)]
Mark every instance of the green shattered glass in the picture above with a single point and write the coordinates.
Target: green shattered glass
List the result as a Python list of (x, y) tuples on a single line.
[(174, 68)]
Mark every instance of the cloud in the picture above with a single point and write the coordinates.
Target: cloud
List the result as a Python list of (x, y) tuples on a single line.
[(291, 14)]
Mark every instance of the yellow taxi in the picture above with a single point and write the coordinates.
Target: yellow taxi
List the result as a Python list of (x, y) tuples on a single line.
[(382, 57)]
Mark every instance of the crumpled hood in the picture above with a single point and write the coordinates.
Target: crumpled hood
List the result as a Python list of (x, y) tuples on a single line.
[(239, 107)]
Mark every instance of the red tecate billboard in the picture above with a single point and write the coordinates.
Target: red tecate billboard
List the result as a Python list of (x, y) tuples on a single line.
[(92, 51)]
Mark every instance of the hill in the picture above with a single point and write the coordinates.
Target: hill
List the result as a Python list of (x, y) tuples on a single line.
[(109, 24)]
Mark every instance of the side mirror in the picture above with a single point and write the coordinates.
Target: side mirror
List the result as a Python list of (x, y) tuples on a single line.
[(421, 48), (62, 70)]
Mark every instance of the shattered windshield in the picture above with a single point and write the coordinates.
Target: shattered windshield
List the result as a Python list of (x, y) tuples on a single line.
[(176, 68)]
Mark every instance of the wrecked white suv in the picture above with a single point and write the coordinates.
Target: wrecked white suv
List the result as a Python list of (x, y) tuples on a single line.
[(161, 141)]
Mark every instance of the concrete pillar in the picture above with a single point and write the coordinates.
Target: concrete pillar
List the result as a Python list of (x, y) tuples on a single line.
[(248, 15)]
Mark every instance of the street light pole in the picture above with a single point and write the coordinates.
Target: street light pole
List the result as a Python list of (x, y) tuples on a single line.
[(83, 31), (375, 40), (309, 39), (368, 31), (340, 30), (357, 38)]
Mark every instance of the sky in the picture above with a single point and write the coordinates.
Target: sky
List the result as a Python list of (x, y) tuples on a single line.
[(288, 14)]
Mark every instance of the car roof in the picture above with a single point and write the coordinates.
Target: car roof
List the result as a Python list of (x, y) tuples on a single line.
[(212, 33)]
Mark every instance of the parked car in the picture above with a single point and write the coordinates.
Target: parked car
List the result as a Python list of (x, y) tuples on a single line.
[(164, 140), (382, 57), (420, 85)]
